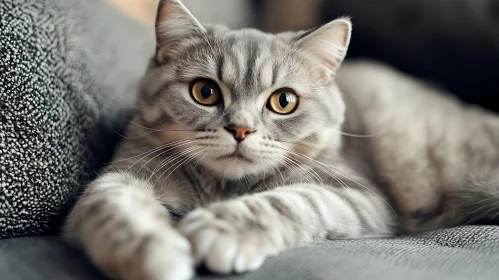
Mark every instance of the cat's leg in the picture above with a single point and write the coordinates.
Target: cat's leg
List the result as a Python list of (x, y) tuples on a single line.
[(237, 235), (127, 233)]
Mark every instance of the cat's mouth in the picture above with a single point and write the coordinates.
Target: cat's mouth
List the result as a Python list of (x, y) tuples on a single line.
[(236, 155)]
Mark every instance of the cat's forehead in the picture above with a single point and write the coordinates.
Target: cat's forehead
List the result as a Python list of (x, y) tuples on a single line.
[(246, 63), (248, 42), (249, 60), (230, 36)]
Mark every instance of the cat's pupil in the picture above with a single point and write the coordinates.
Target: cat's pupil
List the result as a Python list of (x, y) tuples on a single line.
[(206, 91), (283, 100)]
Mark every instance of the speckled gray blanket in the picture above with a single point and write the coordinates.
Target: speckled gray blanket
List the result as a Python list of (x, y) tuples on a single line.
[(68, 73), (451, 254)]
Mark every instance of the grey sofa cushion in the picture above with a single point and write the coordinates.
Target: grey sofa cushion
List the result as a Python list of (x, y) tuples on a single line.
[(460, 253), (68, 74)]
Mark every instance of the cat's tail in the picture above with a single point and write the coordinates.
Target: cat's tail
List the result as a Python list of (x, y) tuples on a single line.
[(477, 201)]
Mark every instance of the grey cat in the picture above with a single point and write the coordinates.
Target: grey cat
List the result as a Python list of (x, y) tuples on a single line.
[(246, 144)]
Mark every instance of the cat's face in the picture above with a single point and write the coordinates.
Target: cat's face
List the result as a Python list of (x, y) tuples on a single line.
[(243, 102)]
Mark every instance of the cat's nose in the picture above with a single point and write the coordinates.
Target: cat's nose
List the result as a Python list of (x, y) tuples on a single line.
[(239, 132)]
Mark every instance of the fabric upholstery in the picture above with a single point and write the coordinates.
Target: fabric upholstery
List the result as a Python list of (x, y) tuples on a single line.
[(68, 74), (461, 253)]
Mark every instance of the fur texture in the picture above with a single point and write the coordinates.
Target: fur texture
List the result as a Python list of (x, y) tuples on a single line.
[(385, 153)]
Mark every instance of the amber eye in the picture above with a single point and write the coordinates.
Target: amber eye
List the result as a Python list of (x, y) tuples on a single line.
[(206, 92), (283, 102)]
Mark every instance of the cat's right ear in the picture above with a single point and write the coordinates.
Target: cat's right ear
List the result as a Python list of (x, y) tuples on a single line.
[(174, 25), (328, 44)]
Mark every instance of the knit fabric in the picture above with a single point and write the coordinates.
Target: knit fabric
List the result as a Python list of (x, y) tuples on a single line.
[(68, 74), (470, 252)]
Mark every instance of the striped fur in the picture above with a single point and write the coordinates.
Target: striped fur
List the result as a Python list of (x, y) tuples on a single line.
[(303, 179)]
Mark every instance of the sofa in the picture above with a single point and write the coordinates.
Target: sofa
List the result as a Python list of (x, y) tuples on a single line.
[(68, 74)]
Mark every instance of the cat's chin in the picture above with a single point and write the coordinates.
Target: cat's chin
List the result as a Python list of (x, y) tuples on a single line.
[(234, 167)]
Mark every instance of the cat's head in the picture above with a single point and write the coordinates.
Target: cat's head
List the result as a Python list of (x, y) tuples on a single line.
[(243, 102)]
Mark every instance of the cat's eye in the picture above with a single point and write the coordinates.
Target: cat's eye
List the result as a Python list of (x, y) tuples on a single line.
[(206, 92), (283, 102)]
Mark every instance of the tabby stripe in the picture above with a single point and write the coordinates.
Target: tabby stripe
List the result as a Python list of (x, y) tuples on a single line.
[(322, 211), (220, 67), (360, 209), (275, 73), (340, 214), (250, 65)]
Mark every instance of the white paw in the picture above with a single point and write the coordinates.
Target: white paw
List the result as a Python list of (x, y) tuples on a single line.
[(165, 257), (226, 241)]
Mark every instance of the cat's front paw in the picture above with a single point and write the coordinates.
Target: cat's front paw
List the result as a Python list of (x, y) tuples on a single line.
[(166, 258), (229, 237), (162, 255)]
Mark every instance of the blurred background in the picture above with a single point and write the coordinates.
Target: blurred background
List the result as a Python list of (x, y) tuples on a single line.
[(452, 43)]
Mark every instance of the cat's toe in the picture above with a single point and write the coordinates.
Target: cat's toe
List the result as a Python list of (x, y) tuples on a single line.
[(245, 263), (212, 240), (220, 245), (221, 257), (172, 267), (167, 258), (252, 252)]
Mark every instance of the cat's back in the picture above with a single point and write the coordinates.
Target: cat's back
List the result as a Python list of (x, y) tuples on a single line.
[(369, 84), (419, 140)]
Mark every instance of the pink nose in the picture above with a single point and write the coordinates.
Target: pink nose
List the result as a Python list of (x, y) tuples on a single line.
[(239, 132)]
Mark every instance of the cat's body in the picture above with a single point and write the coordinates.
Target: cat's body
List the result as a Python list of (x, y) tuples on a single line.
[(437, 158), (247, 135)]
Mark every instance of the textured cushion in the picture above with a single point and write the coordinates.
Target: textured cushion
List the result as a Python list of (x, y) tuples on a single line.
[(68, 74), (461, 253)]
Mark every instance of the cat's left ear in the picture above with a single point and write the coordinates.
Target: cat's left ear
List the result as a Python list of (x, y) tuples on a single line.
[(174, 25), (328, 44)]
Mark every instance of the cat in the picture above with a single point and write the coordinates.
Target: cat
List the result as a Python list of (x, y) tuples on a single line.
[(245, 144)]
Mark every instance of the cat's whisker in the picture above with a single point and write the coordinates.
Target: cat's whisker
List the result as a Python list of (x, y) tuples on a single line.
[(294, 143), (143, 157), (220, 176), (309, 169), (494, 217), (297, 168), (161, 130), (299, 164), (209, 44), (166, 160), (336, 178), (132, 137), (150, 151), (264, 173), (163, 152), (333, 169), (370, 190), (285, 164), (168, 147), (175, 163), (147, 128), (181, 158), (191, 157), (353, 135), (292, 167), (280, 173), (172, 158), (276, 167), (199, 160)]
